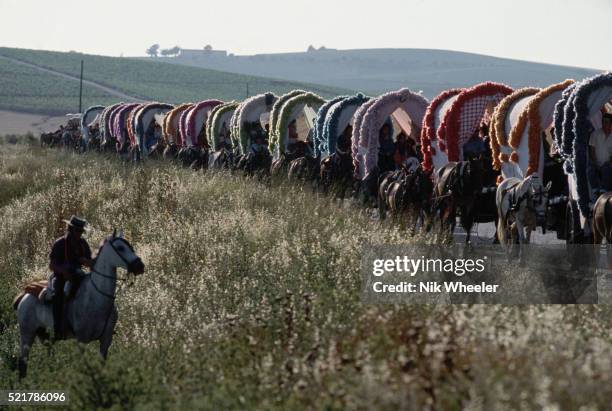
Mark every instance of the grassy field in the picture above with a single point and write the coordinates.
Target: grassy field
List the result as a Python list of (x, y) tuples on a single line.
[(30, 90), (143, 79), (251, 300)]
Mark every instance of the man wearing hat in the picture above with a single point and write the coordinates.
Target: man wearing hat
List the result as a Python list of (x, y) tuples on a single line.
[(68, 254), (600, 156)]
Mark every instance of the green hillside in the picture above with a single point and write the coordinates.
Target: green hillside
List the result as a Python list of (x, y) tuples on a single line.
[(27, 89), (141, 79)]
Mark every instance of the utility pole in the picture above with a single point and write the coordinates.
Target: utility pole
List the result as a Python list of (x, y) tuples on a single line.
[(81, 90)]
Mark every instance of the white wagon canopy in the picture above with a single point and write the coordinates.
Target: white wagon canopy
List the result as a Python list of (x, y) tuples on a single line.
[(402, 110)]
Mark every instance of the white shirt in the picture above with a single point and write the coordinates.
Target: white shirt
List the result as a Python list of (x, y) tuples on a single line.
[(602, 145)]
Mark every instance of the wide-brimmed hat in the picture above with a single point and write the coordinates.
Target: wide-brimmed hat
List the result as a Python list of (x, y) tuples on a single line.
[(76, 222)]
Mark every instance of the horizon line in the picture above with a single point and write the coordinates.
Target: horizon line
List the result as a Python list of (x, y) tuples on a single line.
[(327, 49)]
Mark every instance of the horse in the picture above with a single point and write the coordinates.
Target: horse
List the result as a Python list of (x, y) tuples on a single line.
[(91, 314), (521, 206), (406, 190), (157, 151), (337, 172), (386, 183), (93, 142), (193, 157), (602, 219), (109, 145), (221, 159), (294, 152), (170, 152), (305, 169), (46, 139), (458, 185), (254, 163), (279, 165)]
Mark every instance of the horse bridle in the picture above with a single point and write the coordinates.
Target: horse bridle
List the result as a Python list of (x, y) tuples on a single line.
[(127, 264), (525, 196)]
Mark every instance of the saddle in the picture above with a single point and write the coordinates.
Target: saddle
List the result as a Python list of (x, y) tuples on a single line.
[(514, 202), (37, 288), (41, 290), (449, 180)]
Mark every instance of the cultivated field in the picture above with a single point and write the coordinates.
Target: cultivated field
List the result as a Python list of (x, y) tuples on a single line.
[(30, 90), (251, 299), (26, 88)]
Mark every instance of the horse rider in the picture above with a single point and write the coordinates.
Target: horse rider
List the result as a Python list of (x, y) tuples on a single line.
[(386, 149), (64, 136), (404, 149), (292, 136), (68, 254), (474, 147), (152, 135), (600, 156), (225, 141), (258, 145), (344, 140)]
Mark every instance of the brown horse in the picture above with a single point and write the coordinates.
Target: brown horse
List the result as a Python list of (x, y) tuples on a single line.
[(221, 159), (255, 163), (336, 170), (405, 193), (602, 219), (305, 169), (48, 139), (282, 163), (458, 187)]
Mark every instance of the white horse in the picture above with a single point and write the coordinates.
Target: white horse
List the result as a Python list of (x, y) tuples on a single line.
[(92, 314), (521, 206)]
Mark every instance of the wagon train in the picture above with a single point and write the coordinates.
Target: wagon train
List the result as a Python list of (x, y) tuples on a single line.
[(458, 155)]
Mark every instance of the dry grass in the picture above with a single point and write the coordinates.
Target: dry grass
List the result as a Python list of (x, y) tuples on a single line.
[(251, 299)]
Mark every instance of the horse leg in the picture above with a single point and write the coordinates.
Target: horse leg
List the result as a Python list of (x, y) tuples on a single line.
[(451, 220), (528, 230), (381, 204), (107, 335), (520, 228), (597, 235), (446, 214), (467, 221), (27, 339), (415, 215)]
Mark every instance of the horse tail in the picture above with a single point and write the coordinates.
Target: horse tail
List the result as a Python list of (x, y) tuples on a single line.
[(607, 212), (18, 299), (501, 229), (501, 219)]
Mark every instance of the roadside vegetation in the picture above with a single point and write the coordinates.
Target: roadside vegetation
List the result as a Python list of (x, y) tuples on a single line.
[(251, 300)]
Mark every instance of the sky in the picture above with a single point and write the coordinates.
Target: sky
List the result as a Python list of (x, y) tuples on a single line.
[(569, 32)]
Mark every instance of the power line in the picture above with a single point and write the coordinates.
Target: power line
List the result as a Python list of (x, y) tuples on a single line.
[(81, 90)]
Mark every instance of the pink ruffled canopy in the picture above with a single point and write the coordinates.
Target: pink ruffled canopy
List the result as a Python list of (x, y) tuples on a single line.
[(356, 148), (195, 120), (182, 129), (412, 104)]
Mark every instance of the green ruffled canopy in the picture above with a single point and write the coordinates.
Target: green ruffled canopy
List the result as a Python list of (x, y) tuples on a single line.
[(286, 111), (218, 113), (275, 115)]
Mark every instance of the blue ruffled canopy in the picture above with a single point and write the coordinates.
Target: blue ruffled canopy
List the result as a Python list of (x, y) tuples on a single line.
[(573, 116), (331, 127), (558, 121), (318, 138)]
